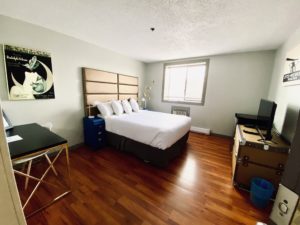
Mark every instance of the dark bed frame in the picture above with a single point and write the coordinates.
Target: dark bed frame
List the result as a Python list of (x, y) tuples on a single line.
[(105, 86), (149, 154)]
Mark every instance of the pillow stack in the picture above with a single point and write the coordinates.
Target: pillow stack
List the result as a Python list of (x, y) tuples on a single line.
[(126, 106), (117, 107), (105, 108), (134, 105)]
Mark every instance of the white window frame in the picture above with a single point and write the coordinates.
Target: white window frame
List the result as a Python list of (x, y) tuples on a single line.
[(206, 61)]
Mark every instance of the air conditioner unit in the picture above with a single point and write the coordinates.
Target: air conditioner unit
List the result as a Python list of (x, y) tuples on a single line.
[(179, 110)]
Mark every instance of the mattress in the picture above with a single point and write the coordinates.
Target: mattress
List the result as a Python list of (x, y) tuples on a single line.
[(159, 130)]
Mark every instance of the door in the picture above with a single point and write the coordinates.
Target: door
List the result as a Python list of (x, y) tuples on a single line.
[(11, 212)]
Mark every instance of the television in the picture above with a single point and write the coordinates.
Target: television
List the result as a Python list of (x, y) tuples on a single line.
[(265, 117)]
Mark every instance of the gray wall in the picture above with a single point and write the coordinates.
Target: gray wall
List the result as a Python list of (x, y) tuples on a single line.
[(287, 98), (236, 82), (68, 56)]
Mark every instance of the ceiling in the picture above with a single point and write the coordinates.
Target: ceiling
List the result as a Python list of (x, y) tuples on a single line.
[(183, 28)]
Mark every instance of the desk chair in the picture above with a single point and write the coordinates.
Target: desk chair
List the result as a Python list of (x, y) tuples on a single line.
[(48, 125)]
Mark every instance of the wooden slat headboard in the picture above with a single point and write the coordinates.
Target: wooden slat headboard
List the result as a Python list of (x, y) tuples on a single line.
[(105, 86)]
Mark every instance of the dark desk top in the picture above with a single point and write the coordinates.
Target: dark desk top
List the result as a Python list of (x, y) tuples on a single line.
[(35, 138)]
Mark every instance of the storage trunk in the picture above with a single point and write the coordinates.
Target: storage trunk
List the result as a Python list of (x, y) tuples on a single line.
[(253, 157)]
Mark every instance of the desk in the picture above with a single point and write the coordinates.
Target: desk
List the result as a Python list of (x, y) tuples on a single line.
[(38, 143)]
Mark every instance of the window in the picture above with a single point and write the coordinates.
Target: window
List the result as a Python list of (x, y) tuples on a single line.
[(185, 82)]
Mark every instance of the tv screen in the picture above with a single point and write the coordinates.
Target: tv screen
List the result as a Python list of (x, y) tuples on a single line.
[(265, 116)]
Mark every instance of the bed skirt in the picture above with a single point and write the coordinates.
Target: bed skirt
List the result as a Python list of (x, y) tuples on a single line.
[(154, 156)]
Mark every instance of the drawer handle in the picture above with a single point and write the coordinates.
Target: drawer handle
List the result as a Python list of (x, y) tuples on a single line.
[(246, 158), (239, 160), (99, 139), (99, 132)]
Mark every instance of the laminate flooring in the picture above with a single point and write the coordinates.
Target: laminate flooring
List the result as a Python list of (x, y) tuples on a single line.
[(111, 187)]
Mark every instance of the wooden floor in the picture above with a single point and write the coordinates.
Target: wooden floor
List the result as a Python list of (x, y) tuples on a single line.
[(110, 187)]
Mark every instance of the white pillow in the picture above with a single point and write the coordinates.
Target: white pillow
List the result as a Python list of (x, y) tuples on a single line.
[(117, 107), (105, 108), (134, 105), (126, 106)]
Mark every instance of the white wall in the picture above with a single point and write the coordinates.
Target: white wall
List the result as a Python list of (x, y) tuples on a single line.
[(68, 56), (236, 83), (287, 98)]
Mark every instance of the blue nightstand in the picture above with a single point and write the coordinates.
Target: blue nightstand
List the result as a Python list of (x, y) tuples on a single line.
[(94, 132)]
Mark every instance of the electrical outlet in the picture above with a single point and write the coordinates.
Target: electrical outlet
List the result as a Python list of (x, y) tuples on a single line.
[(284, 206)]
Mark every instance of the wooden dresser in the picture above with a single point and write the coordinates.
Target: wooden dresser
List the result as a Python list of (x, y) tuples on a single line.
[(252, 157)]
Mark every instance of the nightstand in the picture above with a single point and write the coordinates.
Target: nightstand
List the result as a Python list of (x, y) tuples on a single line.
[(94, 132)]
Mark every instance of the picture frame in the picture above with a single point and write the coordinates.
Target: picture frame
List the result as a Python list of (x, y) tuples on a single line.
[(29, 73), (291, 74)]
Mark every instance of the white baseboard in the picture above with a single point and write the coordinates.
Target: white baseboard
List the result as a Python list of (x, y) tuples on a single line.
[(200, 130)]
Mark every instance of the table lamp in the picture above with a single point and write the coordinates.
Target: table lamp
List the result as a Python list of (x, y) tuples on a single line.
[(89, 108)]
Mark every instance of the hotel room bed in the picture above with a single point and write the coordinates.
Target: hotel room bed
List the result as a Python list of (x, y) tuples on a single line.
[(154, 137), (159, 130)]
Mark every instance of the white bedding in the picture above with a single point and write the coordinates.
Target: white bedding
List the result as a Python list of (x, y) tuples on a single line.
[(160, 130)]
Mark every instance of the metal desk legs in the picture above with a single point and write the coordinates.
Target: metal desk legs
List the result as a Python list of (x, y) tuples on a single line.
[(42, 178)]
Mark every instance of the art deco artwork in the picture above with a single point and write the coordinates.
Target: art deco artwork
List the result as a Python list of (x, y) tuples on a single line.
[(29, 73), (292, 67)]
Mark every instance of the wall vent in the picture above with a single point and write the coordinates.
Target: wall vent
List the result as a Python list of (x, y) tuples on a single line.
[(180, 110)]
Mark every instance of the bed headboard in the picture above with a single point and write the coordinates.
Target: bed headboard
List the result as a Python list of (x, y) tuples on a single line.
[(105, 86)]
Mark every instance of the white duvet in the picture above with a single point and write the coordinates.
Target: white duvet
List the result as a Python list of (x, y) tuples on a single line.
[(160, 130)]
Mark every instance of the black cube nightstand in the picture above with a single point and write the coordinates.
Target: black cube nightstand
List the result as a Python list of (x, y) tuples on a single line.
[(94, 132)]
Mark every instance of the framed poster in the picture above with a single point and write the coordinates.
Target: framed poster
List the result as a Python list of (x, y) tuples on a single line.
[(292, 67), (29, 73)]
